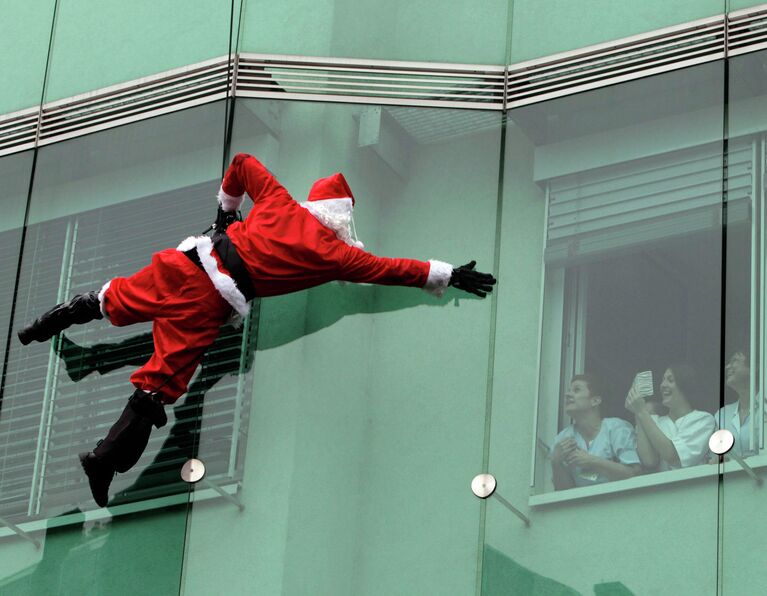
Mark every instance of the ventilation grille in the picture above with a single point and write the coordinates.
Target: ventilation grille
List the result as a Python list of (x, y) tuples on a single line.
[(356, 81), (17, 131), (607, 64), (747, 31), (168, 92), (411, 84)]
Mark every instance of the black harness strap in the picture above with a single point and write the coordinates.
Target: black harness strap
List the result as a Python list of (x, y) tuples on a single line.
[(231, 260)]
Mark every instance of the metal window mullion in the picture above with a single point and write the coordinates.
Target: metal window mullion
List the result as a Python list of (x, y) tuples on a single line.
[(46, 412), (541, 311), (762, 210), (238, 400), (754, 298)]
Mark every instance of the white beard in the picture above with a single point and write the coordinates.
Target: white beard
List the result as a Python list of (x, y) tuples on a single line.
[(335, 214)]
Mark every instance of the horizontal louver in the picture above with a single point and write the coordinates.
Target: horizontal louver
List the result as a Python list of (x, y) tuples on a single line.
[(646, 200), (425, 84), (395, 83), (747, 31), (18, 131), (153, 96), (610, 63), (57, 407)]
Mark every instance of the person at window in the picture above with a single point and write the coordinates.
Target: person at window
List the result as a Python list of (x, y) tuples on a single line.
[(592, 449), (678, 439), (189, 292), (736, 416)]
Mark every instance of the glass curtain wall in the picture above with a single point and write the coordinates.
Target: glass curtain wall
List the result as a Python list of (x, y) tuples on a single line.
[(369, 402), (464, 31), (100, 206), (341, 426), (742, 411), (628, 180), (96, 214)]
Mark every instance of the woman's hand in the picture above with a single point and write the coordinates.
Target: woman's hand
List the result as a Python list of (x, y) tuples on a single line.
[(561, 451), (578, 457), (635, 403)]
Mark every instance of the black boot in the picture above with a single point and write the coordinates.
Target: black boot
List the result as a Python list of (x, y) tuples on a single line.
[(124, 443), (80, 309), (80, 361)]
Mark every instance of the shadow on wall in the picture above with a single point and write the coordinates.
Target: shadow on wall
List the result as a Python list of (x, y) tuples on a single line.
[(502, 576), (108, 556), (328, 304)]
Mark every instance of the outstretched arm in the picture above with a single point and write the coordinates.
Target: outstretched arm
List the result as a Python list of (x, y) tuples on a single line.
[(433, 276)]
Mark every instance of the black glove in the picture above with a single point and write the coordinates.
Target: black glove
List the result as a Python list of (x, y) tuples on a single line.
[(466, 279), (224, 219)]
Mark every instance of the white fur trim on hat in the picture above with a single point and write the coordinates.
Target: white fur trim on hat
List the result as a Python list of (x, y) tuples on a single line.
[(439, 276), (228, 202), (103, 291), (222, 282)]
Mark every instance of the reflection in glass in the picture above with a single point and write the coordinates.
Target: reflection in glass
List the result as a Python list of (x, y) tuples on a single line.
[(360, 391), (633, 182), (101, 205)]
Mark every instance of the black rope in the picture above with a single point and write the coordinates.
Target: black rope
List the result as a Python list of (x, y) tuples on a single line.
[(25, 223)]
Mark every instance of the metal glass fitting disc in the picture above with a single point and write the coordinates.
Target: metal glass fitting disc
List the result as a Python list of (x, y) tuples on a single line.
[(721, 441), (483, 485), (192, 471)]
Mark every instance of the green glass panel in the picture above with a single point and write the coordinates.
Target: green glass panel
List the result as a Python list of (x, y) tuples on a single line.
[(543, 27), (101, 206), (133, 40), (368, 401), (612, 236), (25, 28), (741, 4), (743, 405), (15, 173), (420, 30)]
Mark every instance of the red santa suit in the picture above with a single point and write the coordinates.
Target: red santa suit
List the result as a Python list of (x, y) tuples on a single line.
[(284, 246)]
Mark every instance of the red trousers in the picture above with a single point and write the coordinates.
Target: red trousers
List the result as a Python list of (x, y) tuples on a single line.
[(186, 313)]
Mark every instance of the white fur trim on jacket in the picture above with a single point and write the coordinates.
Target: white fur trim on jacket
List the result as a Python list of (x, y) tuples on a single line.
[(103, 291), (439, 276), (228, 202), (222, 282)]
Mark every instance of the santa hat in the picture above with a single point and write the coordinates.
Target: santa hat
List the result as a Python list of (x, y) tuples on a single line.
[(330, 188), (331, 201)]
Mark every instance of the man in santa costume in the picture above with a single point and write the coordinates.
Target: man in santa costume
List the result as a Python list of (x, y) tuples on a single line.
[(188, 293)]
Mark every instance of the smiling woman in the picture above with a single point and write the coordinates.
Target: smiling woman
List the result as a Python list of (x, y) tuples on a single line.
[(678, 439)]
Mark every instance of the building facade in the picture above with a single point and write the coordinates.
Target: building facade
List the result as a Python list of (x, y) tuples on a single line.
[(605, 160)]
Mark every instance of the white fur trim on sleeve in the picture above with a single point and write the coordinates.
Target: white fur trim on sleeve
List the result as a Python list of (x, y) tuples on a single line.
[(222, 282), (103, 291), (228, 202), (439, 276)]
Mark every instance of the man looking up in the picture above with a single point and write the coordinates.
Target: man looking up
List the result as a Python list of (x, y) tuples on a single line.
[(592, 449)]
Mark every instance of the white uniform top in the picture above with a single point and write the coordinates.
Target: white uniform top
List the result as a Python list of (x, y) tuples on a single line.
[(616, 441), (728, 417), (689, 434)]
